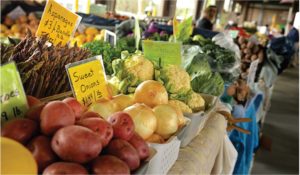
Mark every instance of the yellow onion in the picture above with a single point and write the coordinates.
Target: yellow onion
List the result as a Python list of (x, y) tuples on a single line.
[(155, 138), (105, 108), (181, 119), (144, 119), (167, 120), (151, 93), (123, 101)]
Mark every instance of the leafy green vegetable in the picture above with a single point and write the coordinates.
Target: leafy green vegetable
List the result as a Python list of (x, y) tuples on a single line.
[(198, 65), (213, 84), (203, 79), (183, 30), (108, 53)]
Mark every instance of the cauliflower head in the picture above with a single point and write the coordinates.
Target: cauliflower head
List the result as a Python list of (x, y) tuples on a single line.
[(141, 68), (175, 79), (179, 104), (196, 102), (131, 70)]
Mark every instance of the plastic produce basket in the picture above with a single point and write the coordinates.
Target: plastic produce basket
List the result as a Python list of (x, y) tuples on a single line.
[(167, 153), (198, 120)]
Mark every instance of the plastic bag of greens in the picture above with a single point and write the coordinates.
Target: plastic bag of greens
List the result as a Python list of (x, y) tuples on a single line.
[(224, 40), (188, 52)]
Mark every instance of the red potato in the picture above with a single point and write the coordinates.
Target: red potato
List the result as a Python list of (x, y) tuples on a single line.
[(64, 168), (90, 114), (108, 164), (40, 147), (77, 108), (34, 112), (101, 127), (125, 151), (76, 144), (56, 115), (32, 100), (122, 124), (140, 145), (21, 130)]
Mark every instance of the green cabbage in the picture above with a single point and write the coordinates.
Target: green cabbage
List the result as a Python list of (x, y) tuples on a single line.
[(203, 79)]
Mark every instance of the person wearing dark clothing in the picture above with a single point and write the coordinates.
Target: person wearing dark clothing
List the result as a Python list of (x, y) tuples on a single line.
[(208, 17), (204, 23)]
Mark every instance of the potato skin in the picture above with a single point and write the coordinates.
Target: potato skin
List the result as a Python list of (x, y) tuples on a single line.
[(125, 151), (122, 124), (77, 108), (40, 147), (109, 164), (76, 144), (31, 100), (20, 130), (64, 168), (140, 145), (101, 127), (90, 114), (55, 115), (34, 112)]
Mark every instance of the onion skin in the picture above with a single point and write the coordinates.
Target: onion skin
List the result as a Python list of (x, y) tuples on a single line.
[(167, 120), (144, 119), (151, 93), (123, 101)]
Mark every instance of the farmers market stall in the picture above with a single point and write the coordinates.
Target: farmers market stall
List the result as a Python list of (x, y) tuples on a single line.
[(77, 102)]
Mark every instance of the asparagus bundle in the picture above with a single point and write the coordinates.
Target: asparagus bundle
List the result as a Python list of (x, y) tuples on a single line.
[(42, 66)]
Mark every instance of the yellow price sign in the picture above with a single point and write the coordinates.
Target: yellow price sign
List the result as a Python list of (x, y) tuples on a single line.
[(58, 23), (88, 80)]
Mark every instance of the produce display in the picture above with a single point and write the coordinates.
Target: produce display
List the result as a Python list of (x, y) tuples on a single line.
[(89, 34), (42, 67), (220, 58), (250, 51), (65, 138), (203, 79), (108, 52), (133, 69), (239, 91), (17, 28), (147, 107)]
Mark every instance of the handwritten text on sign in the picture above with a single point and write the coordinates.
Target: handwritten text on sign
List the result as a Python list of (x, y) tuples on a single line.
[(88, 80), (12, 97), (58, 22), (168, 52)]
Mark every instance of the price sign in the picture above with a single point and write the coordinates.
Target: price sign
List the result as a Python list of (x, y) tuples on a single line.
[(13, 98), (88, 80), (252, 72), (168, 52), (110, 37), (58, 22)]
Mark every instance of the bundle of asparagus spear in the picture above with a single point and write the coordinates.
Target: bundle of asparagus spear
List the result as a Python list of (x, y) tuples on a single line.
[(42, 66)]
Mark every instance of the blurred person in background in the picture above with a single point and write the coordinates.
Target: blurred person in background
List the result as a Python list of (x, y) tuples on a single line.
[(208, 17)]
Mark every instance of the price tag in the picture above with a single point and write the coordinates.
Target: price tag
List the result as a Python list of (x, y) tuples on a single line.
[(110, 37), (252, 72), (13, 98), (58, 22), (168, 52), (88, 80)]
